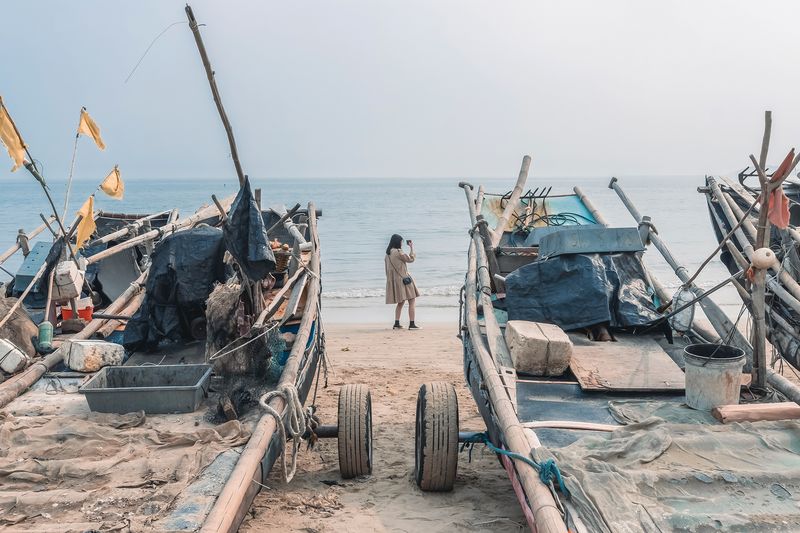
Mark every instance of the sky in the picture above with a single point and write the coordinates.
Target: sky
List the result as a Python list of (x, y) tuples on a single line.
[(371, 88)]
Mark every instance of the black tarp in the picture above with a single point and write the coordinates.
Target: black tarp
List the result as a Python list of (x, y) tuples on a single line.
[(185, 266), (246, 236), (580, 290)]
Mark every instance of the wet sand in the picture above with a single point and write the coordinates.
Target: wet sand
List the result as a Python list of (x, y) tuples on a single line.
[(393, 364)]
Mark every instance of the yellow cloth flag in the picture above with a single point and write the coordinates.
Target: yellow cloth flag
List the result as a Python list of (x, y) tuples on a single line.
[(112, 185), (88, 127), (86, 226), (10, 138)]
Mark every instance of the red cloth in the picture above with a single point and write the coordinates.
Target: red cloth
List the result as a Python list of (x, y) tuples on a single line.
[(778, 202)]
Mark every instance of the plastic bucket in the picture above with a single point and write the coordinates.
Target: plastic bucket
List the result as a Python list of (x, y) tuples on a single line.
[(713, 375)]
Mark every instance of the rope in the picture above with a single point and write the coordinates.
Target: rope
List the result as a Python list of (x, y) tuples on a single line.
[(296, 423), (219, 354), (548, 469)]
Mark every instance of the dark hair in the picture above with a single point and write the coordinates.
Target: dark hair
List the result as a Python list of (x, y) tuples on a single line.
[(395, 242)]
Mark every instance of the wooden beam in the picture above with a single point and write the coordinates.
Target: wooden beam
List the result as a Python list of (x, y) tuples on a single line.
[(756, 412)]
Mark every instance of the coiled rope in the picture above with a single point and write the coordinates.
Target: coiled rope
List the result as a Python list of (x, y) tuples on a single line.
[(296, 423)]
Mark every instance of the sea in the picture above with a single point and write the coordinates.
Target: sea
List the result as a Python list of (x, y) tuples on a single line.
[(360, 214)]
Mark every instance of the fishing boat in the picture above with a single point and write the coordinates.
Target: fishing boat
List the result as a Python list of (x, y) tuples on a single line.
[(582, 365), (157, 367), (734, 209), (172, 395)]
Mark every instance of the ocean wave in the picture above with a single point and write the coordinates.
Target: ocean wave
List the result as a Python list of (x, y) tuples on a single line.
[(346, 294)]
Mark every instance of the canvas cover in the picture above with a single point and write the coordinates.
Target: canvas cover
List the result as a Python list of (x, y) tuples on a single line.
[(185, 266), (579, 290), (246, 236), (654, 475)]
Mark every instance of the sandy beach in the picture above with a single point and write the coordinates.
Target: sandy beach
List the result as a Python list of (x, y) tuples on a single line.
[(394, 364)]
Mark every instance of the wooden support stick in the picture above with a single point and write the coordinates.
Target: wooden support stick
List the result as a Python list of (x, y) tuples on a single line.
[(222, 214), (598, 216), (511, 206), (756, 412), (198, 39), (570, 424), (15, 248)]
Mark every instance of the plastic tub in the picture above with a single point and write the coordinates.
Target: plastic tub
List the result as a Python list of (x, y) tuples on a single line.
[(713, 375), (152, 389)]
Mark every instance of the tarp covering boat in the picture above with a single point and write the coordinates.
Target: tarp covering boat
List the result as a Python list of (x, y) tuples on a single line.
[(246, 236), (604, 288), (185, 267), (660, 476)]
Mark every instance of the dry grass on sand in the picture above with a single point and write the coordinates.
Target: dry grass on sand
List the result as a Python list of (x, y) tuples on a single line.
[(393, 364)]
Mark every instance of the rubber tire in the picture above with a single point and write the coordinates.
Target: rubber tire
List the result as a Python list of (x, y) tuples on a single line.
[(355, 431), (436, 437)]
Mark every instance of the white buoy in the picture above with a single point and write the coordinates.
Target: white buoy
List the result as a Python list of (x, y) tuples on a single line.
[(763, 258)]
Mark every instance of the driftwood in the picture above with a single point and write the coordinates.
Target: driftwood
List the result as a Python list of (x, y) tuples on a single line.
[(756, 412)]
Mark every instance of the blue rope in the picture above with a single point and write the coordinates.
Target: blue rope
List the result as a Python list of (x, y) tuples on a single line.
[(548, 469)]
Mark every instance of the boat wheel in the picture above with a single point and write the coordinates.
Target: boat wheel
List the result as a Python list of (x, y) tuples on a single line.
[(436, 437), (355, 431)]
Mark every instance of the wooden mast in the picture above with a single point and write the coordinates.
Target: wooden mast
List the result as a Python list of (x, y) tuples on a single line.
[(215, 93)]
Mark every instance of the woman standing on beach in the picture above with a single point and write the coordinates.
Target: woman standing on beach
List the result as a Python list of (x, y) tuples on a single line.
[(400, 286)]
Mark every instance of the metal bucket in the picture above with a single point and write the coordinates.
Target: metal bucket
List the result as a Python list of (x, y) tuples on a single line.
[(713, 375)]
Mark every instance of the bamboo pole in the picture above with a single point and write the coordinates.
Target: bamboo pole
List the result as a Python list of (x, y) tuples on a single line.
[(244, 482), (198, 39), (546, 517), (10, 390), (598, 216), (16, 247), (129, 310), (719, 320), (290, 226), (129, 229), (201, 214), (479, 200), (18, 303), (511, 206)]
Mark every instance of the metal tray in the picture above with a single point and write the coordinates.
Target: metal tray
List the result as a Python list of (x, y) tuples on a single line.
[(152, 389)]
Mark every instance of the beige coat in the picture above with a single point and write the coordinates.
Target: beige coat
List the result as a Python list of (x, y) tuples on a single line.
[(396, 270)]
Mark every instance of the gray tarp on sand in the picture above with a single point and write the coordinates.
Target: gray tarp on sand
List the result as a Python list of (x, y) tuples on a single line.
[(656, 476)]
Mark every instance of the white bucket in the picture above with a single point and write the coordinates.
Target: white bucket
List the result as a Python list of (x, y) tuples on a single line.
[(713, 375)]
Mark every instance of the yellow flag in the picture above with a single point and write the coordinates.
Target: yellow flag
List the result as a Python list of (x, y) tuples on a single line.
[(10, 138), (86, 226), (112, 185), (88, 127)]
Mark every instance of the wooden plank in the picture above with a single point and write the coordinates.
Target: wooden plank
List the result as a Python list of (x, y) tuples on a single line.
[(630, 364), (755, 412)]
